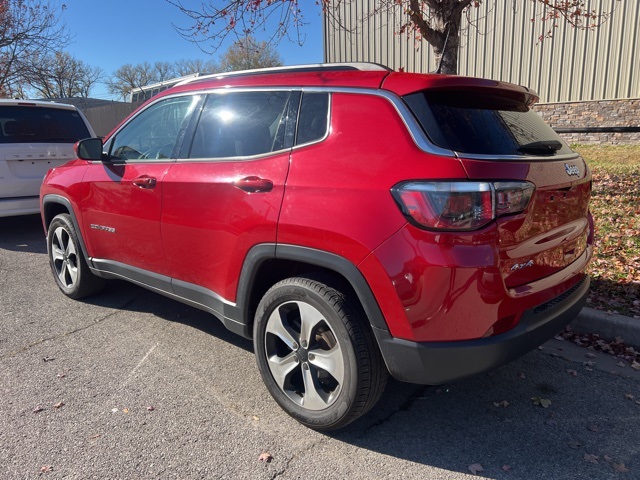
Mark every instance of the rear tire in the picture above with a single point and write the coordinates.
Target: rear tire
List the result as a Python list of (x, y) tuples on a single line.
[(316, 354), (67, 261)]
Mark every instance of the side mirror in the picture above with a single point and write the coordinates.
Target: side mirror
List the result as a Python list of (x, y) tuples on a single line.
[(89, 149)]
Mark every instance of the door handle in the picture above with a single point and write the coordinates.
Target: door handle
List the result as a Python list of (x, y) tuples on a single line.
[(254, 184), (145, 182)]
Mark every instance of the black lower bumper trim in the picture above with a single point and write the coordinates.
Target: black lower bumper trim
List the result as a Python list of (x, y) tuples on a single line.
[(435, 363)]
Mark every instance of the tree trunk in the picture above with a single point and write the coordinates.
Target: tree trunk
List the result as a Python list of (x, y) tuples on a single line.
[(446, 21), (440, 28)]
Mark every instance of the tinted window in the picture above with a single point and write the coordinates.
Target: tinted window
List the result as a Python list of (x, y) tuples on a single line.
[(153, 133), (41, 125), (483, 124), (241, 124), (314, 117)]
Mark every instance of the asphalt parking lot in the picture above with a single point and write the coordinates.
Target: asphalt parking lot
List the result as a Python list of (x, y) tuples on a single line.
[(129, 384)]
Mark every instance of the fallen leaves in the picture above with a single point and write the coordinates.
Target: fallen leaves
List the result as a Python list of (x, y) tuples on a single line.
[(503, 404), (616, 348), (58, 405), (615, 205), (46, 469), (475, 468), (541, 402), (620, 467), (591, 458), (265, 457)]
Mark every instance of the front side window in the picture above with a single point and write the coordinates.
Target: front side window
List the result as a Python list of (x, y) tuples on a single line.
[(154, 133), (242, 124)]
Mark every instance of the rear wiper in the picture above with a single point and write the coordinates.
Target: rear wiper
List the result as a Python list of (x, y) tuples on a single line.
[(543, 147)]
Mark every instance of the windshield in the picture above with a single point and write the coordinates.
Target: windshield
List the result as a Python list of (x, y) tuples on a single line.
[(472, 123), (26, 124)]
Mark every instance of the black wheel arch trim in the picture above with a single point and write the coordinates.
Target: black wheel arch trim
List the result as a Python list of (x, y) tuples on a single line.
[(261, 253), (59, 199)]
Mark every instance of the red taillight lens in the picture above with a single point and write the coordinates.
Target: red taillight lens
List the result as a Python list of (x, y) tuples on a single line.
[(512, 197), (461, 205)]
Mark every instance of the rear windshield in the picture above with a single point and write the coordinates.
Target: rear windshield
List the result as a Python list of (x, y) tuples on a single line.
[(483, 124), (41, 125)]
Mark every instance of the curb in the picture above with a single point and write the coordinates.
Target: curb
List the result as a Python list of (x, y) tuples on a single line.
[(608, 326)]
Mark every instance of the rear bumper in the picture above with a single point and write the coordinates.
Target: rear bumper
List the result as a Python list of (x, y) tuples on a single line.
[(11, 207), (434, 363)]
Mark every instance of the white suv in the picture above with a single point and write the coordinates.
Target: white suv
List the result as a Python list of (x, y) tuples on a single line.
[(35, 136)]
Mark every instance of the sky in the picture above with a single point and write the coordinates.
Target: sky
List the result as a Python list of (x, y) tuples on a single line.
[(112, 33)]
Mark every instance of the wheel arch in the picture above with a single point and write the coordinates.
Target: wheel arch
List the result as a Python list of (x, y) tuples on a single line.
[(53, 205), (267, 264)]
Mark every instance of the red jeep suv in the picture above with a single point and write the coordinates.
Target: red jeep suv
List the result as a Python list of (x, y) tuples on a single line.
[(353, 221)]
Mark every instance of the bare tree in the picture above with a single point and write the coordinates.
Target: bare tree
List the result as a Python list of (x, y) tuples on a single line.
[(164, 71), (435, 21), (188, 66), (247, 53), (129, 76), (60, 75), (28, 29)]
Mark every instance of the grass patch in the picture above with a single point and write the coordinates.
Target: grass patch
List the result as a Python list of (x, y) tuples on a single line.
[(615, 205)]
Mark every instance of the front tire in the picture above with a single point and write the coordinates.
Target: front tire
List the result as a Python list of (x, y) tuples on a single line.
[(316, 354), (67, 261)]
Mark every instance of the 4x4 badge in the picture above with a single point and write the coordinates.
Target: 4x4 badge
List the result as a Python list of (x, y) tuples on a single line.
[(571, 170)]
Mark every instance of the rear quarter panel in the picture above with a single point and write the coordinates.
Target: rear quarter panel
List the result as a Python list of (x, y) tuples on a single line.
[(337, 196)]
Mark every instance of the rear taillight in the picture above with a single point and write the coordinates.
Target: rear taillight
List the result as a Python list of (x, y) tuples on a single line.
[(461, 205)]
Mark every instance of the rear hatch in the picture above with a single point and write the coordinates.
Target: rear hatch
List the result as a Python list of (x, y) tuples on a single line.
[(499, 139)]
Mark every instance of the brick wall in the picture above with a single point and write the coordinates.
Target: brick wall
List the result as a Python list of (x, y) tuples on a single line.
[(602, 113)]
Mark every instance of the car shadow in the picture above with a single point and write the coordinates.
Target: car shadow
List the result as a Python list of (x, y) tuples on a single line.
[(491, 420), (125, 296), (23, 234), (496, 420)]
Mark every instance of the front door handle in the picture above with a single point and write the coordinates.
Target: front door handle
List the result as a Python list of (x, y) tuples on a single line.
[(254, 184), (145, 182)]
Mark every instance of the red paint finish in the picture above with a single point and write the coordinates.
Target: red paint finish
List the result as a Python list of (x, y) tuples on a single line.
[(209, 222), (406, 83), (450, 286), (340, 201), (113, 200), (341, 78), (552, 233)]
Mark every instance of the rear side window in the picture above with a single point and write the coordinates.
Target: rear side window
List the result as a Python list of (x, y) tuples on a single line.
[(483, 124), (242, 124), (22, 124), (314, 117)]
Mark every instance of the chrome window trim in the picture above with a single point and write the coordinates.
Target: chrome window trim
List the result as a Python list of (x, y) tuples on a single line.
[(519, 158), (327, 130), (415, 130)]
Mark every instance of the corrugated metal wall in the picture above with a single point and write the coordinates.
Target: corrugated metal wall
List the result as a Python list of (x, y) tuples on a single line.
[(502, 43)]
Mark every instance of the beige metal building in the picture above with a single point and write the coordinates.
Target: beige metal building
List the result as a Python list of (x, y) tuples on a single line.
[(502, 43)]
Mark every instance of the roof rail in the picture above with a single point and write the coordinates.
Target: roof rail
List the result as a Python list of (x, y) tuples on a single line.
[(315, 67)]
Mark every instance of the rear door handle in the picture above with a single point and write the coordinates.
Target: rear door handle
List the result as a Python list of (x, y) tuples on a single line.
[(254, 184), (145, 182)]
